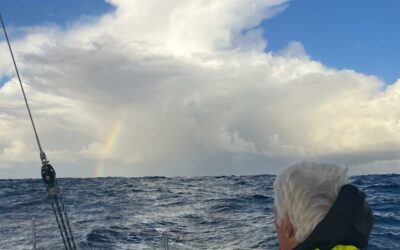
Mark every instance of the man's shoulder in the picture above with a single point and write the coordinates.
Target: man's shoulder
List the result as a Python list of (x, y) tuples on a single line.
[(343, 247)]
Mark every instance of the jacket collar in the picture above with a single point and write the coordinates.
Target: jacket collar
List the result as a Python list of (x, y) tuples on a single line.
[(348, 222)]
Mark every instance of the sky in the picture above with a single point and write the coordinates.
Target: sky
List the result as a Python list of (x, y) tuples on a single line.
[(185, 88)]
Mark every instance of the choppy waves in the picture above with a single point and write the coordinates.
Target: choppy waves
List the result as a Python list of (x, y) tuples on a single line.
[(225, 212)]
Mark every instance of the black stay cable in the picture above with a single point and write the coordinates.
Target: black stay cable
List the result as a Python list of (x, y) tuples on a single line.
[(58, 223), (48, 173), (68, 238), (68, 226)]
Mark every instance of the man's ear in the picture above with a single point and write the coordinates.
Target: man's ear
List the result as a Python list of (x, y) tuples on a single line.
[(287, 227)]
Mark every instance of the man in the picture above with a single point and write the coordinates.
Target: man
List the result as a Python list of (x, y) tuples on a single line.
[(316, 208)]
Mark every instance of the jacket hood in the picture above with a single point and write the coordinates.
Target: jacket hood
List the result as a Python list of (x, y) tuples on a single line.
[(348, 222)]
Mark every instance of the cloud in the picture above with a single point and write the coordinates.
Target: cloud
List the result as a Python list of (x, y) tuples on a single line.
[(186, 88), (294, 50)]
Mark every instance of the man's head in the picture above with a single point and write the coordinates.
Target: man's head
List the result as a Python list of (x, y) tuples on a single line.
[(304, 194)]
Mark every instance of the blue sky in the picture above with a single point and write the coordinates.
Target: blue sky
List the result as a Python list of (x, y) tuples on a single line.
[(362, 35), (61, 12)]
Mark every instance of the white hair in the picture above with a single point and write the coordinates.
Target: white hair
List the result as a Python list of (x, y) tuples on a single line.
[(305, 192)]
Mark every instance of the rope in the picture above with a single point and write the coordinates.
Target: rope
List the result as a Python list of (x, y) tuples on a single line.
[(68, 238), (58, 224), (49, 178), (48, 173), (42, 154), (68, 226)]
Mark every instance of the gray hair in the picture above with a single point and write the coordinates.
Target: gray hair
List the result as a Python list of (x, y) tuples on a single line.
[(305, 192)]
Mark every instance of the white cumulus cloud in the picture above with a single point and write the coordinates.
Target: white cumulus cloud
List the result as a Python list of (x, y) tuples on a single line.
[(187, 88)]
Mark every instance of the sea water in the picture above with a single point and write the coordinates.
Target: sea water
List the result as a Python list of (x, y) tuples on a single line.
[(225, 212)]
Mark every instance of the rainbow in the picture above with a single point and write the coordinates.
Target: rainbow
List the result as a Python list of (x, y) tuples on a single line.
[(109, 143)]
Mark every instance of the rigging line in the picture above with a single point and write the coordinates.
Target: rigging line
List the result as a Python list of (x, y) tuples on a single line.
[(58, 224), (68, 238), (49, 178), (63, 216), (42, 154), (66, 218)]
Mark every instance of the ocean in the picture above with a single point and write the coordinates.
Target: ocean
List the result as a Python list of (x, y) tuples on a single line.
[(224, 212)]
